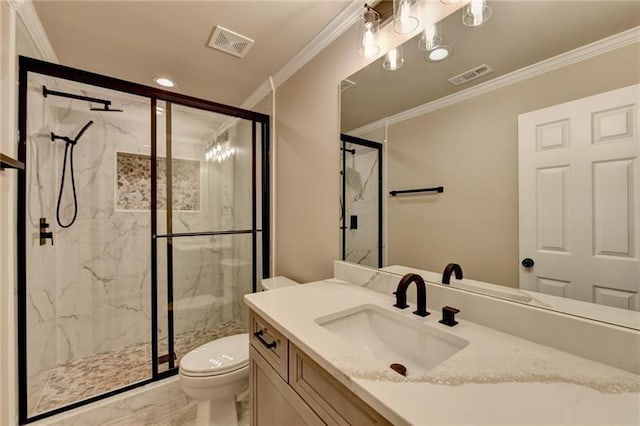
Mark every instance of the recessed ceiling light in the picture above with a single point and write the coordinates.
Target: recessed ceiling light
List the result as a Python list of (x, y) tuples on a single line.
[(164, 82), (440, 53)]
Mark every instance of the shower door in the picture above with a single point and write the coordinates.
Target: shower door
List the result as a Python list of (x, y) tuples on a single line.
[(86, 258), (143, 219), (208, 226), (361, 201)]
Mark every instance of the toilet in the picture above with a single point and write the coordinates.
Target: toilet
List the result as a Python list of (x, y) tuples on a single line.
[(215, 374)]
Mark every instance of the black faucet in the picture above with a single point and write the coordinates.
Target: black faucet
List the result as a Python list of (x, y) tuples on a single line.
[(401, 294), (452, 267)]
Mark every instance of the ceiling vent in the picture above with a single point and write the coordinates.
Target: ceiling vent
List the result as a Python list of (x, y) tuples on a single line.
[(230, 42), (346, 84), (472, 74)]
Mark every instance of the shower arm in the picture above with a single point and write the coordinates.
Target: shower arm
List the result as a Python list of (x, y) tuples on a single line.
[(46, 92), (67, 139)]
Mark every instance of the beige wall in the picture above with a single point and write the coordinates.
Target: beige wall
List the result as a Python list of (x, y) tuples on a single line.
[(471, 149), (307, 162), (307, 156)]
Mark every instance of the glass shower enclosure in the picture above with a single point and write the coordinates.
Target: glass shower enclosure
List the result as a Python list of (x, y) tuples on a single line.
[(143, 220)]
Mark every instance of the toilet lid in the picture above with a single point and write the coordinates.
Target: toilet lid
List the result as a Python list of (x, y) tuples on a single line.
[(218, 357)]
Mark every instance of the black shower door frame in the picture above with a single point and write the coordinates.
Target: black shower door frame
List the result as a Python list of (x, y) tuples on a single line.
[(344, 139), (30, 65)]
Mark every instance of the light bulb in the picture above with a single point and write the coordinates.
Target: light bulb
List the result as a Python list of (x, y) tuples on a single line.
[(369, 47), (405, 22), (393, 60), (476, 7), (476, 13), (430, 38)]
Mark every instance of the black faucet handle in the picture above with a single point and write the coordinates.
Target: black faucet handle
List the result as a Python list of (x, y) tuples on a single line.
[(449, 316), (401, 300)]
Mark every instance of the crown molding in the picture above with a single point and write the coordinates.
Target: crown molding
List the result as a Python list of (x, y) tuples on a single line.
[(326, 36), (32, 24), (582, 53)]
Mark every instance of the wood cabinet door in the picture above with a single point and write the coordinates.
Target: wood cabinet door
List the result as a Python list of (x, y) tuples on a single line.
[(273, 402)]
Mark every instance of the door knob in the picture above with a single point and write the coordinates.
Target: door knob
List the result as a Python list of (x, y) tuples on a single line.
[(528, 262)]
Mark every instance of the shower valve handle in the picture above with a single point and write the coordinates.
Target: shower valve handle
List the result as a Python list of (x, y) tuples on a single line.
[(44, 236)]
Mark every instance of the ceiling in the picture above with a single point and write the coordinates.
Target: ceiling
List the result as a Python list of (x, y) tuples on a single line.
[(518, 34), (137, 40)]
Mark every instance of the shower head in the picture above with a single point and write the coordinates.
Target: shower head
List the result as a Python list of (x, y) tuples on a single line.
[(106, 103), (105, 108)]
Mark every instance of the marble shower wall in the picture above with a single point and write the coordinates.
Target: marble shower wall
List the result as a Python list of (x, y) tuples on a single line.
[(90, 292), (361, 200), (42, 294)]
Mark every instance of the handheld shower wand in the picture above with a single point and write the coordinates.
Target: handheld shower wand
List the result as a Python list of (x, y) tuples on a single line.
[(69, 143)]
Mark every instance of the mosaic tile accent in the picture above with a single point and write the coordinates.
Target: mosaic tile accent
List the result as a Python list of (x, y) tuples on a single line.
[(134, 182), (103, 372)]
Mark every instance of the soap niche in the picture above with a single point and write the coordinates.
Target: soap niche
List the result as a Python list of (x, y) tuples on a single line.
[(133, 183)]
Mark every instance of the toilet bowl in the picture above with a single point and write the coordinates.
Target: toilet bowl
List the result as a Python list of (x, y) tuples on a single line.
[(214, 374)]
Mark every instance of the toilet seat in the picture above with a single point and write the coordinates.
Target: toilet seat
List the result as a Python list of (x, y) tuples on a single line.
[(222, 356)]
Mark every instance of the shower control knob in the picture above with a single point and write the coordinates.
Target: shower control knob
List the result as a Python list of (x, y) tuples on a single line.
[(528, 262)]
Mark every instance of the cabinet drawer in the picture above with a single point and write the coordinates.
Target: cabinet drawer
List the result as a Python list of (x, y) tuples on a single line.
[(330, 399), (272, 345)]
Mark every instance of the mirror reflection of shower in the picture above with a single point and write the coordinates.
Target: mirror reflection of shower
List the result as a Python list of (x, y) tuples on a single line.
[(69, 147)]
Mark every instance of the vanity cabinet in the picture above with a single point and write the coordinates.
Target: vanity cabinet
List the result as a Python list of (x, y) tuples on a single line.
[(289, 388)]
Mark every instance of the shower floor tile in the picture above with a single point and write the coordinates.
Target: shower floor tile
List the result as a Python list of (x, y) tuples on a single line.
[(99, 373)]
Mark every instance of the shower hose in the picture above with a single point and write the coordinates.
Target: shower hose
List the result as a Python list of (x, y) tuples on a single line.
[(70, 144)]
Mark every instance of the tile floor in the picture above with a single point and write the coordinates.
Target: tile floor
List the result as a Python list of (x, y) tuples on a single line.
[(92, 375)]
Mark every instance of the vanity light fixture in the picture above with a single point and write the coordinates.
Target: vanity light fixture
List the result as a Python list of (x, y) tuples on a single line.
[(368, 27), (404, 16), (216, 153), (475, 13), (438, 54), (430, 38), (164, 82), (393, 60)]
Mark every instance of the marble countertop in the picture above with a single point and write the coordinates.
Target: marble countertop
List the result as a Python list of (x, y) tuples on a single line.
[(496, 379)]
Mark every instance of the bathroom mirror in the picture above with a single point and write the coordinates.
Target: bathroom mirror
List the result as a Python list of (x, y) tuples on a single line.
[(454, 124)]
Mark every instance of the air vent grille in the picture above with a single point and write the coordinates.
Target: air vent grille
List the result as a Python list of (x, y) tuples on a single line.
[(230, 42), (471, 74), (346, 84)]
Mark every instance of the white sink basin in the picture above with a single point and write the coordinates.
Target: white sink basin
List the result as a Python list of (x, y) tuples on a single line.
[(392, 338)]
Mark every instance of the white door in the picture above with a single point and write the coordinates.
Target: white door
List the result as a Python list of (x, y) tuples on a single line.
[(579, 199)]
